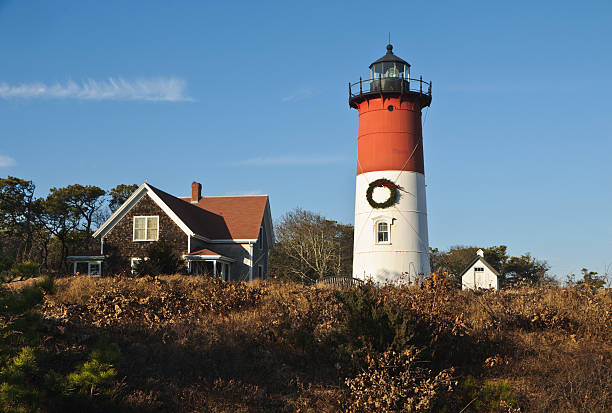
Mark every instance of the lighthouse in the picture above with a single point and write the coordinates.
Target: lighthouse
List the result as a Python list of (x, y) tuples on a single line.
[(390, 241)]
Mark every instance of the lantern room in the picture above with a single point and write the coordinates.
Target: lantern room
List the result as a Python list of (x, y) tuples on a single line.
[(390, 76), (390, 66), (389, 73)]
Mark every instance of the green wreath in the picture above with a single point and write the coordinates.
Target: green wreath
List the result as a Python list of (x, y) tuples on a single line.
[(379, 183)]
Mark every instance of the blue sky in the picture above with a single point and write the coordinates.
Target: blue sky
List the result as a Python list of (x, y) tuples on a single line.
[(251, 97)]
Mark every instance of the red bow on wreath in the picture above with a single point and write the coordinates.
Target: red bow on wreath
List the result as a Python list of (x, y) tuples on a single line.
[(385, 183)]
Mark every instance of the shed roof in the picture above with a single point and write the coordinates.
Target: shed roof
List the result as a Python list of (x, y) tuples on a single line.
[(474, 261)]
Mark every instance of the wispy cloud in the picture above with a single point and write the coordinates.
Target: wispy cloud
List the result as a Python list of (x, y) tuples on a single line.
[(291, 160), (161, 89), (6, 161), (300, 94)]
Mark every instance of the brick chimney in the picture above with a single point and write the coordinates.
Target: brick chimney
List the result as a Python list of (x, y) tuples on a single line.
[(196, 192)]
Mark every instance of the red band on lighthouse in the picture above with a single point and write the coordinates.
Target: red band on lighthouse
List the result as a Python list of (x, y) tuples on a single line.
[(390, 136)]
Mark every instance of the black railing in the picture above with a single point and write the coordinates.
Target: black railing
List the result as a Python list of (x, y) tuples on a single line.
[(389, 84)]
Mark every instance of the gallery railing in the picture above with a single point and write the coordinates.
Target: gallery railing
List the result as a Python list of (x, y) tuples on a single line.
[(389, 84)]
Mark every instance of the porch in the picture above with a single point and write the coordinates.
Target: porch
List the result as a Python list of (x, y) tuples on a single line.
[(86, 264), (208, 262)]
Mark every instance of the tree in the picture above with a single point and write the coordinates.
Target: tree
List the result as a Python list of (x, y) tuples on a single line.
[(83, 202), (524, 269), (16, 214), (497, 257), (59, 219), (453, 261), (120, 194), (511, 269), (590, 278), (309, 247)]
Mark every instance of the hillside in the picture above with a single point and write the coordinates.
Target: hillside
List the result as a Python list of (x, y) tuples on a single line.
[(190, 344)]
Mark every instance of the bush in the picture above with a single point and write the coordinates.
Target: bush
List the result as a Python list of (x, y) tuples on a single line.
[(5, 264), (370, 323), (24, 270), (96, 374), (161, 260), (395, 382), (18, 393), (485, 396)]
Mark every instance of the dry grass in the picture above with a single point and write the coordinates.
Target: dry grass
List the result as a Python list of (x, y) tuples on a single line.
[(195, 344)]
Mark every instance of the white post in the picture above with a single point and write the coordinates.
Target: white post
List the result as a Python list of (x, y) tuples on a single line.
[(215, 269), (74, 268), (251, 262)]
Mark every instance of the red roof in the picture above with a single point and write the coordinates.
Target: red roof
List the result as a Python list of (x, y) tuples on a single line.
[(242, 215), (205, 251), (219, 217)]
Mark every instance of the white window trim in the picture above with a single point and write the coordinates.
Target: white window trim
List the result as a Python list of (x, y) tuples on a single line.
[(145, 228), (380, 221), (98, 264), (133, 260)]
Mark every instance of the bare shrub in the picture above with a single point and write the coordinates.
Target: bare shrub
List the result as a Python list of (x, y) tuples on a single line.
[(395, 382)]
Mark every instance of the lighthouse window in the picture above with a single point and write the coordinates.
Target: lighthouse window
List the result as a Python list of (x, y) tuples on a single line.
[(382, 230)]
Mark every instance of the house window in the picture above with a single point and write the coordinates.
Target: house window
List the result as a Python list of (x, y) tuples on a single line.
[(134, 262), (260, 271), (382, 233), (146, 228), (478, 269), (94, 269), (260, 238)]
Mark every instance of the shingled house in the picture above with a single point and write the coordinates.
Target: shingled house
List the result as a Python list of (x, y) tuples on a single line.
[(224, 236)]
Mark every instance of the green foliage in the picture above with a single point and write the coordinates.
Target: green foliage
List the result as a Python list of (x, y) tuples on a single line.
[(18, 392), (96, 374), (5, 263), (372, 324), (590, 279), (119, 194), (487, 396), (16, 303), (24, 270), (513, 270), (161, 260), (525, 269), (47, 284), (382, 183), (23, 387)]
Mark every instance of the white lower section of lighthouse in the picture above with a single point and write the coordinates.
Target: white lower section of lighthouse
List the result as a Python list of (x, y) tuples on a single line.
[(402, 254)]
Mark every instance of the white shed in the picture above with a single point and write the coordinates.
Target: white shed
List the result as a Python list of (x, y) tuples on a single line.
[(479, 274)]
